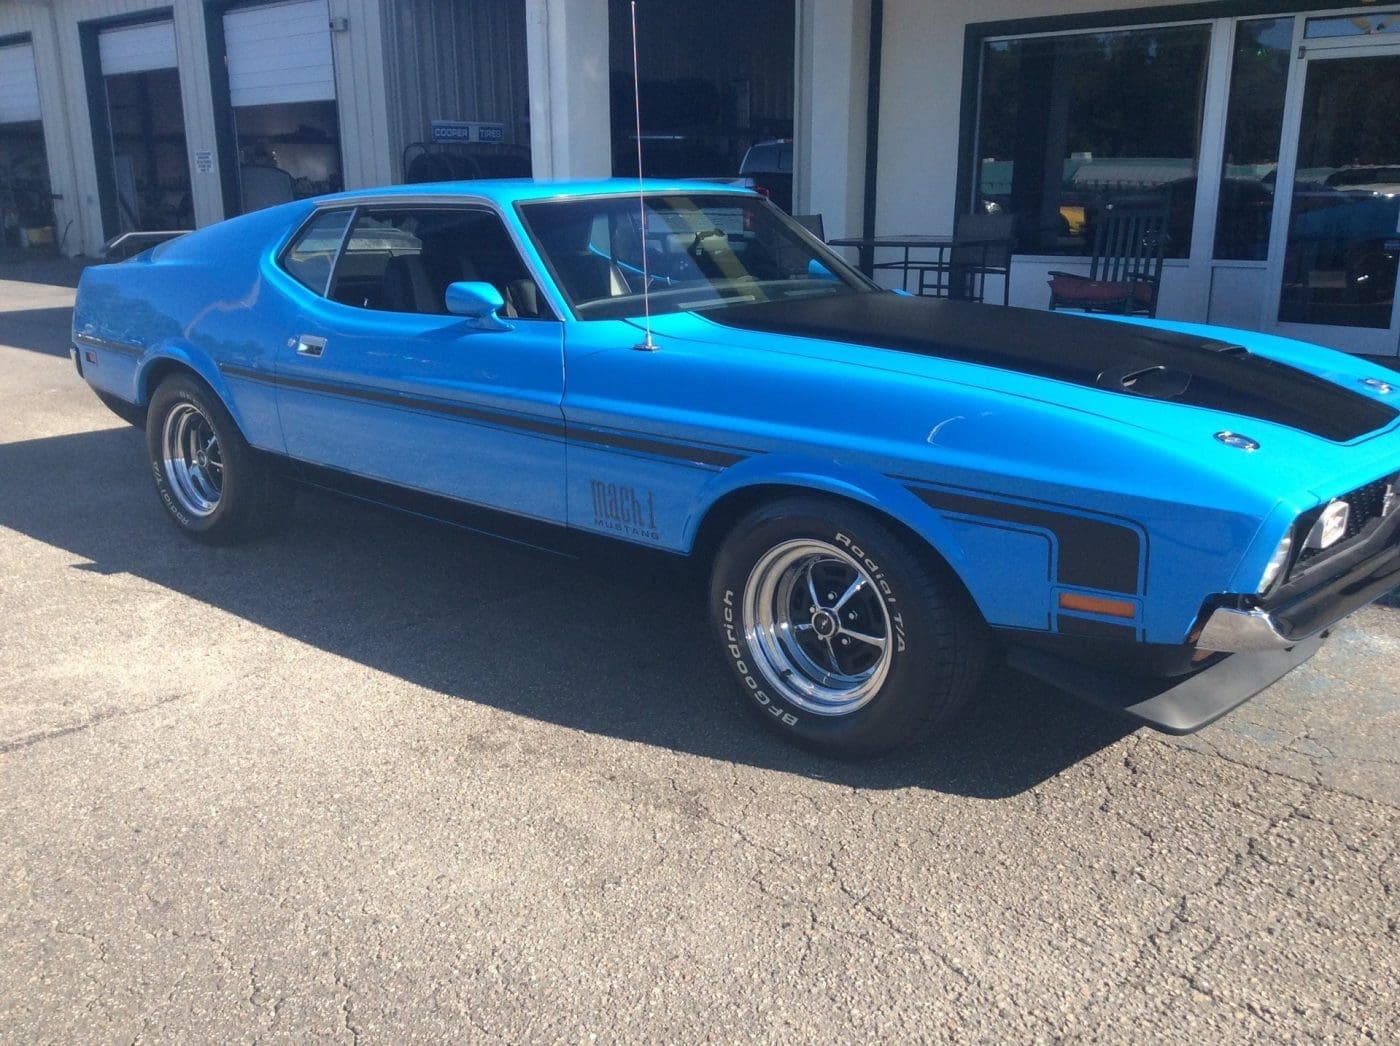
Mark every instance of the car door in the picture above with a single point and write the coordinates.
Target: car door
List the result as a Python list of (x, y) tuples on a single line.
[(378, 381)]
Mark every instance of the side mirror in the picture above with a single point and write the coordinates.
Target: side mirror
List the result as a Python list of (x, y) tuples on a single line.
[(479, 302), (817, 271)]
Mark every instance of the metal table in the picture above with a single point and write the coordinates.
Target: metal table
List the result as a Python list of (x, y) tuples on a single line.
[(938, 246)]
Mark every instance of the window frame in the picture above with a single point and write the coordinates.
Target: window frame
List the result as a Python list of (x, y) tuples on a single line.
[(301, 230), (977, 34), (522, 205), (548, 295), (969, 162)]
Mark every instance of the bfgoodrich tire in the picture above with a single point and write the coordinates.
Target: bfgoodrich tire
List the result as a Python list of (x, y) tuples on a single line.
[(842, 637), (213, 486)]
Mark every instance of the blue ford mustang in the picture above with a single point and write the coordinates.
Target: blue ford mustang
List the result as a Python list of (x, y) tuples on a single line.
[(1158, 517)]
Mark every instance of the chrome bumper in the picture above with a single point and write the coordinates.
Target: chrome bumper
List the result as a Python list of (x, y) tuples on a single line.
[(1310, 607), (1242, 632)]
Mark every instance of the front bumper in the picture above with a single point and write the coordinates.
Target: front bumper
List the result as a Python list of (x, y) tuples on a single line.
[(1180, 705), (1244, 645), (1317, 600)]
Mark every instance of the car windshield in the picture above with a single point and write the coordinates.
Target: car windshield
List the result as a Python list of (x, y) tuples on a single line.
[(703, 251)]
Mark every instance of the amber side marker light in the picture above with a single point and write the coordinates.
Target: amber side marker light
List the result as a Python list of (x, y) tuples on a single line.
[(1097, 605)]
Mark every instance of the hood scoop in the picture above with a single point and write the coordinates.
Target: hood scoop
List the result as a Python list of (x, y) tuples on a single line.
[(1158, 383)]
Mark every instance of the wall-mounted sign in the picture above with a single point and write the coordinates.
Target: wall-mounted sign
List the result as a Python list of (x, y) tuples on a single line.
[(204, 161), (468, 131)]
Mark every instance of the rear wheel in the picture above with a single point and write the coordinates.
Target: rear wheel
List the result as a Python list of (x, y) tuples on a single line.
[(213, 485), (842, 637)]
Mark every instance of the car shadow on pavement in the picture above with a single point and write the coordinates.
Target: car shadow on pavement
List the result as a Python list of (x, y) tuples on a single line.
[(34, 330), (612, 644)]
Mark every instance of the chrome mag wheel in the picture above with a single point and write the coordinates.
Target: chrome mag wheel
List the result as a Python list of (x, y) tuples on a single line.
[(194, 465), (818, 627)]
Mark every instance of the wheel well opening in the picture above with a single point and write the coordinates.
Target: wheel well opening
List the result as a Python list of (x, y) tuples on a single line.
[(157, 372), (725, 513)]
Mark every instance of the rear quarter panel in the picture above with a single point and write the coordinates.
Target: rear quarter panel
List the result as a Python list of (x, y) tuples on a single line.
[(194, 302)]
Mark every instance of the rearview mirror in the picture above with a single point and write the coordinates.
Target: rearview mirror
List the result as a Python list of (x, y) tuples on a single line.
[(476, 301)]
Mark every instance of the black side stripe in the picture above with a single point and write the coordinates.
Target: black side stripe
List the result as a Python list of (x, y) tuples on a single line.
[(1093, 552), (696, 453), (92, 341), (699, 454), (542, 426)]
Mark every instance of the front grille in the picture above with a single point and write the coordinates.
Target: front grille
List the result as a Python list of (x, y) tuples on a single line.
[(1366, 504)]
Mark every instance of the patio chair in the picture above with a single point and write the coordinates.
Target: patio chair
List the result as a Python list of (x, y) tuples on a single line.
[(1126, 269), (812, 223), (981, 248)]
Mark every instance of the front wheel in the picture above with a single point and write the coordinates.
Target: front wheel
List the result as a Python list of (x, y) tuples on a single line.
[(842, 636), (213, 485)]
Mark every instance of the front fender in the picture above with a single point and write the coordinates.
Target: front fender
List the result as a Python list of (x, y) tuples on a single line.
[(866, 487)]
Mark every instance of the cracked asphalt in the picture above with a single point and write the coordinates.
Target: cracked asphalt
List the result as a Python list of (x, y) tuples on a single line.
[(376, 780)]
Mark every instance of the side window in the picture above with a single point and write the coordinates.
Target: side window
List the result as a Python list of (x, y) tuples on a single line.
[(402, 260), (310, 258)]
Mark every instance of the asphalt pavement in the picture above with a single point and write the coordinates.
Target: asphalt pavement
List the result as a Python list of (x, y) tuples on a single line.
[(377, 780)]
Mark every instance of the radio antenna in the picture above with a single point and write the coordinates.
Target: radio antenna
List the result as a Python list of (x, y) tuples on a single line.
[(646, 345)]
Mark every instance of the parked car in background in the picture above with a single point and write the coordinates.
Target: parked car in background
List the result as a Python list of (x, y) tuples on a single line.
[(1158, 517), (768, 167), (1369, 179)]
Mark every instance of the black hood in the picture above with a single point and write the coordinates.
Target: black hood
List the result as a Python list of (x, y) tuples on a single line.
[(1124, 358)]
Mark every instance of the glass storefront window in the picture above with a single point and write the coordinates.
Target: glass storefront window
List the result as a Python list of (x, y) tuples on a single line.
[(1340, 260), (1253, 127), (1070, 123), (1352, 25)]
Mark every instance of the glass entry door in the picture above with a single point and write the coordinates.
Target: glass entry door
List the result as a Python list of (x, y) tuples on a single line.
[(1336, 277)]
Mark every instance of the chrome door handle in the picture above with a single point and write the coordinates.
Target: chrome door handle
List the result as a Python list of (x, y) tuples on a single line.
[(310, 345)]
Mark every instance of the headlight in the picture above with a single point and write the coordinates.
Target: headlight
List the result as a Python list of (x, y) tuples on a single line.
[(1392, 497), (1330, 527), (1277, 563)]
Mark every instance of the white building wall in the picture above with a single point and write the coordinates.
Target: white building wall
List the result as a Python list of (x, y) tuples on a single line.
[(67, 123), (570, 135), (361, 92), (829, 121), (54, 29), (40, 23), (921, 98), (192, 55)]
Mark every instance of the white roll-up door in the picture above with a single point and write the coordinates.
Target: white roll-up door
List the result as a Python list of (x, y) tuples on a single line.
[(137, 48), (19, 84), (280, 53)]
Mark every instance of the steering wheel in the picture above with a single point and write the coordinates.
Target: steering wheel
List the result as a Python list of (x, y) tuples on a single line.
[(697, 245)]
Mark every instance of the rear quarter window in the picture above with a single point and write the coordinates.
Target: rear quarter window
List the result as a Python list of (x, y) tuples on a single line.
[(312, 254)]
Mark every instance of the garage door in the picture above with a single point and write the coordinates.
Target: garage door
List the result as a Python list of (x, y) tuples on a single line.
[(258, 41), (19, 85), (137, 48)]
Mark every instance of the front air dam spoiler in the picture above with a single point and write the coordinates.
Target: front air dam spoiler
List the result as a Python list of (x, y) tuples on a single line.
[(1180, 705)]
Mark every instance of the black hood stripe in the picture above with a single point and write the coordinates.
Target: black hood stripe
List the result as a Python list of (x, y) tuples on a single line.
[(1123, 358)]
